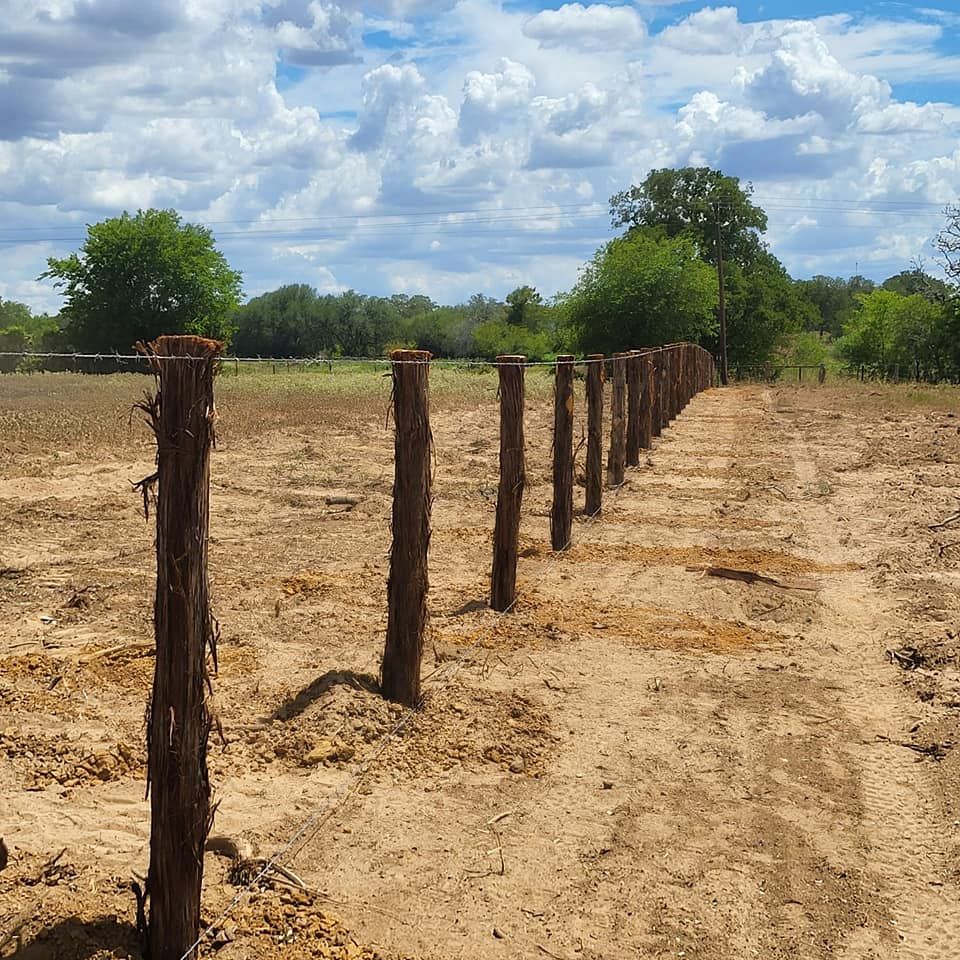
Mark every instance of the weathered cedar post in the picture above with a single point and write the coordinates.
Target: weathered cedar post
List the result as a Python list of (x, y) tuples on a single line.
[(506, 531), (617, 457), (674, 382), (681, 360), (594, 498), (561, 513), (665, 387), (412, 497), (656, 392), (665, 413), (634, 388), (182, 417), (646, 401)]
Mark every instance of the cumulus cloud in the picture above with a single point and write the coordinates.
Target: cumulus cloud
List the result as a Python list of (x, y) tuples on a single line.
[(595, 27), (711, 30), (491, 99), (803, 76)]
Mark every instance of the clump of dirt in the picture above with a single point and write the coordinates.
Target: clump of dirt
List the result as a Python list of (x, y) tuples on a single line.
[(276, 924), (42, 761)]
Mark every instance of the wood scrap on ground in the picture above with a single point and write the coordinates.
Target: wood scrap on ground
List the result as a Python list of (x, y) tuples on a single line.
[(747, 576)]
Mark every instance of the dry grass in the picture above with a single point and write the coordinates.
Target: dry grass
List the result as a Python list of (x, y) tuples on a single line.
[(64, 413)]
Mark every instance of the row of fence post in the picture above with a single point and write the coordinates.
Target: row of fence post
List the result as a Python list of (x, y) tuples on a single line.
[(649, 389)]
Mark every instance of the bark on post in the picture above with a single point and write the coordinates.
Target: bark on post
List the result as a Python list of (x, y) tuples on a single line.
[(181, 414), (594, 497), (506, 531), (412, 498), (646, 401), (656, 392), (561, 513), (634, 403), (616, 459)]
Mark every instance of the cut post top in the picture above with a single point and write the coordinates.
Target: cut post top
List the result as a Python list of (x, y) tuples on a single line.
[(182, 345), (511, 358), (411, 356), (566, 358)]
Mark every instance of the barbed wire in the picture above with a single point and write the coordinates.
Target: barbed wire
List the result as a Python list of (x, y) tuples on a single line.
[(331, 361), (335, 800)]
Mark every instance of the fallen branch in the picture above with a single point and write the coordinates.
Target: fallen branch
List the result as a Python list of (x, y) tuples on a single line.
[(945, 523), (108, 653), (543, 949), (935, 750), (746, 576)]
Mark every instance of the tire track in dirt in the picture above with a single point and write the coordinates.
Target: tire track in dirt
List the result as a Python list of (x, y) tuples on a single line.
[(901, 829)]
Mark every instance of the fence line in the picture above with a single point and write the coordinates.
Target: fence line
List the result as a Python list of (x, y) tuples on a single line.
[(688, 374), (686, 370)]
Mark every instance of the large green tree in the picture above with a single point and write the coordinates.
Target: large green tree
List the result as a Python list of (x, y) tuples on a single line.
[(695, 202), (641, 291), (894, 333), (139, 276), (763, 308)]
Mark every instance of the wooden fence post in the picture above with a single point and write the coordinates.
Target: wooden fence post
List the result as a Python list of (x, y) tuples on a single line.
[(181, 414), (412, 498), (667, 379), (506, 531), (656, 392), (561, 513), (594, 470), (634, 402), (617, 457), (646, 401)]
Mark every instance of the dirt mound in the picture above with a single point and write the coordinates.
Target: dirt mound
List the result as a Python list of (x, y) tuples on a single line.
[(344, 724)]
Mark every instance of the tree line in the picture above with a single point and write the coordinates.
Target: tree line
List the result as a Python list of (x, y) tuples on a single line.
[(137, 276)]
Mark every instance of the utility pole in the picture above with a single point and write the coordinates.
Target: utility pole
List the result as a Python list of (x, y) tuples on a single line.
[(724, 375)]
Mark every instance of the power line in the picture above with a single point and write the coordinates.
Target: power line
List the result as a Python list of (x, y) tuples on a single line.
[(345, 226)]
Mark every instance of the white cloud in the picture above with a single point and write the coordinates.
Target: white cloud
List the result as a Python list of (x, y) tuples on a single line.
[(596, 27), (802, 76), (711, 30), (491, 99), (256, 116)]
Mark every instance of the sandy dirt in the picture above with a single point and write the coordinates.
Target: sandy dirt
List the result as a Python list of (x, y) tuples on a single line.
[(642, 760)]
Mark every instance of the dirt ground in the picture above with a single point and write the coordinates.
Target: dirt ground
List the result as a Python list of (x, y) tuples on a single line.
[(642, 760)]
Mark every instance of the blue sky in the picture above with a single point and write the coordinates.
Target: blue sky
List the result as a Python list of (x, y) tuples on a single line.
[(461, 146)]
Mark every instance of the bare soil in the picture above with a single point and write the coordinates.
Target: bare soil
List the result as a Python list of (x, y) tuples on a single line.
[(641, 760)]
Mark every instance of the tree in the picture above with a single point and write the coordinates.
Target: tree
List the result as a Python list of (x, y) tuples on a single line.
[(692, 202), (948, 242), (639, 291), (918, 281), (523, 307), (137, 277), (763, 308), (13, 314), (895, 333)]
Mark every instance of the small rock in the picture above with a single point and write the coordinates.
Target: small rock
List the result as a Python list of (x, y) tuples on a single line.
[(518, 765), (607, 784), (321, 750), (499, 934)]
